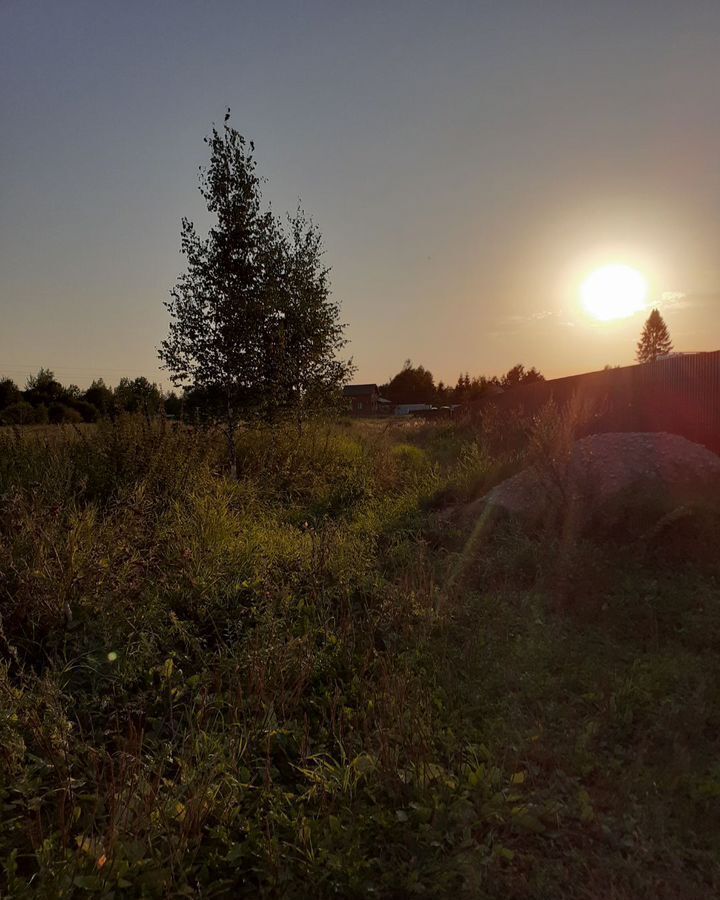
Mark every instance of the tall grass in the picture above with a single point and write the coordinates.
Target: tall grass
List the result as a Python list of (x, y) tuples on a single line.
[(264, 686), (202, 673)]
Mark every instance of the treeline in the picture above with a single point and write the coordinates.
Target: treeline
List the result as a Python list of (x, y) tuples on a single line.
[(45, 400), (415, 384)]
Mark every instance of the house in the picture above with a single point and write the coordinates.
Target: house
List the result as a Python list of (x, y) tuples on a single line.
[(362, 399)]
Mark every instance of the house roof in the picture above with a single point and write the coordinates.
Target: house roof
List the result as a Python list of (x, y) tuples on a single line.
[(359, 390)]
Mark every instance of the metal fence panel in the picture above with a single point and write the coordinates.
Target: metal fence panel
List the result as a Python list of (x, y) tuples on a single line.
[(680, 394)]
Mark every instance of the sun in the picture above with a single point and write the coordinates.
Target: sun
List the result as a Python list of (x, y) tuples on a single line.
[(614, 292)]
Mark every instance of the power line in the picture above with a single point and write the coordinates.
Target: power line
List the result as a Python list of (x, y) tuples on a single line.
[(34, 368)]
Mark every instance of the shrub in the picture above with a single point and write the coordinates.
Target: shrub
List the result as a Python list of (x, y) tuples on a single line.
[(41, 414), (20, 413), (59, 413), (410, 460), (88, 412)]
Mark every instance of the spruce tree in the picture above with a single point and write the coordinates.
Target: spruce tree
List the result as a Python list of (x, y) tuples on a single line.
[(655, 340)]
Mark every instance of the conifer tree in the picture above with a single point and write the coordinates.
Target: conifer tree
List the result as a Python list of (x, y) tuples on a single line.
[(655, 339)]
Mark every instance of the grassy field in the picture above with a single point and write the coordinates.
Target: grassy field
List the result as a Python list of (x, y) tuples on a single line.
[(323, 680)]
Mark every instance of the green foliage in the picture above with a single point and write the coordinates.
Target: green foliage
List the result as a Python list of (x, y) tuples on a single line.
[(43, 388), (137, 395), (412, 384), (59, 413), (252, 325), (272, 686), (88, 412), (23, 413), (411, 459), (303, 333), (100, 396)]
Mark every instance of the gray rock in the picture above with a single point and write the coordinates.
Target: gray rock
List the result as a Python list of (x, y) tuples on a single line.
[(609, 468)]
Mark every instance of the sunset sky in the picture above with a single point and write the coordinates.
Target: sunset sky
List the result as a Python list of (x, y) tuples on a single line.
[(469, 164)]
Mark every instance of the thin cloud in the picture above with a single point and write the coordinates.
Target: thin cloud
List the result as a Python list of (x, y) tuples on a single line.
[(531, 317), (674, 299)]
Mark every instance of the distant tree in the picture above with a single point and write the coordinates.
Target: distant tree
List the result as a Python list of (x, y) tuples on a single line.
[(173, 404), (138, 395), (468, 389), (43, 388), (520, 375), (100, 396), (412, 384), (462, 388), (477, 387), (251, 322), (655, 339), (9, 392), (443, 393)]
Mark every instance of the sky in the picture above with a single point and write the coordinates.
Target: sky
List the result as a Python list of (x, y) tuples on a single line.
[(468, 163)]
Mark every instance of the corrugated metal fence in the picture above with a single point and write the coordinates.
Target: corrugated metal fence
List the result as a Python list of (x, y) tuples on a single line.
[(680, 394)]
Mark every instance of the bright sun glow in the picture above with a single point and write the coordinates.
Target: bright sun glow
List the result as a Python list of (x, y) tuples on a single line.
[(614, 292)]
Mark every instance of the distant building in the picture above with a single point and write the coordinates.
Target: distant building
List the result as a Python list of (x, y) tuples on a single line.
[(363, 399), (410, 409)]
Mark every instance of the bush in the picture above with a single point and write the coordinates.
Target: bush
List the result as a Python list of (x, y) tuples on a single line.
[(88, 412), (22, 413), (409, 459), (41, 414), (59, 414)]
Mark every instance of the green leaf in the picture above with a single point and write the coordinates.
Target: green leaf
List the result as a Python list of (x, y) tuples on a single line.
[(88, 882)]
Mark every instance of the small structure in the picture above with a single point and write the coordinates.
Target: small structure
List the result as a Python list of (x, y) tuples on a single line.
[(412, 409), (362, 399)]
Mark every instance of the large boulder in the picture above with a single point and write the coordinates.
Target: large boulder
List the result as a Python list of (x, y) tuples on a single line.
[(605, 472)]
